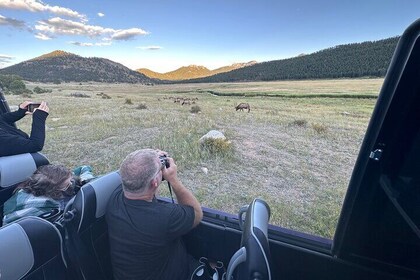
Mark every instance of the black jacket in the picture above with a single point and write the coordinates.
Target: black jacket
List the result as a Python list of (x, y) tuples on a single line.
[(14, 141)]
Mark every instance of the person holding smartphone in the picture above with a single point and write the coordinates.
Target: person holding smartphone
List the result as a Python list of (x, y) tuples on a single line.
[(14, 141)]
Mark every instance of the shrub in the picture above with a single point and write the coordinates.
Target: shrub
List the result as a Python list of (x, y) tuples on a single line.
[(26, 95), (141, 106), (79, 94), (17, 87), (195, 109), (299, 122), (128, 101), (6, 80), (37, 89), (319, 128), (217, 146)]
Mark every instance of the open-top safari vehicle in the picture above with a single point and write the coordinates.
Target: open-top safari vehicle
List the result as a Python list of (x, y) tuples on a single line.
[(377, 237)]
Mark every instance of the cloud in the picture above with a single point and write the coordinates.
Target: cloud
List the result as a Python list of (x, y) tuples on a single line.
[(42, 36), (4, 58), (59, 26), (150, 48), (12, 22), (80, 44), (38, 6), (128, 34)]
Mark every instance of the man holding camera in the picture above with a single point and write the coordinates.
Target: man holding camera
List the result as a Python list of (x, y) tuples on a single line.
[(14, 141), (144, 234)]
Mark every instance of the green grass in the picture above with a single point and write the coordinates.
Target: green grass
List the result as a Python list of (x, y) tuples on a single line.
[(295, 153)]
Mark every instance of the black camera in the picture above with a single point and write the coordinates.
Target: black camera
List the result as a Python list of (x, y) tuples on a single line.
[(31, 107), (164, 161)]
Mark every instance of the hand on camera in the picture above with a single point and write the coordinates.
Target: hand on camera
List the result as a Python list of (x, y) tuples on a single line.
[(43, 107), (170, 173), (27, 106), (24, 104)]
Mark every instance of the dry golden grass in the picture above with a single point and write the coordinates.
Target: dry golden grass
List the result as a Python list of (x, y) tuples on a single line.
[(296, 153)]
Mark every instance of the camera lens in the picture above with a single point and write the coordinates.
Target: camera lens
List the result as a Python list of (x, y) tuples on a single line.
[(164, 161)]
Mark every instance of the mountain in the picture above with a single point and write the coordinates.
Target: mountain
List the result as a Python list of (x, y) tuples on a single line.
[(366, 59), (232, 67), (191, 72), (62, 66), (185, 72)]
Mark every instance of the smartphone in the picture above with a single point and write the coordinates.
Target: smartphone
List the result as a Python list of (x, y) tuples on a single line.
[(31, 107)]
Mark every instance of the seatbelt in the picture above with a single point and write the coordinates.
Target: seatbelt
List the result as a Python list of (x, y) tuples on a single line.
[(80, 260)]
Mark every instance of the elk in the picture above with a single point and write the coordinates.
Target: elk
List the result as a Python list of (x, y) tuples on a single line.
[(243, 106)]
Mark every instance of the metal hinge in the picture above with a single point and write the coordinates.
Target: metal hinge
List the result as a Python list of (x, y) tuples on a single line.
[(376, 154)]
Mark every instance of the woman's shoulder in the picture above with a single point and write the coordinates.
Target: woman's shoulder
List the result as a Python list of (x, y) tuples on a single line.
[(32, 200)]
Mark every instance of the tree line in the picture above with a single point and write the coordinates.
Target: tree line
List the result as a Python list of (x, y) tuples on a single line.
[(367, 59), (13, 84)]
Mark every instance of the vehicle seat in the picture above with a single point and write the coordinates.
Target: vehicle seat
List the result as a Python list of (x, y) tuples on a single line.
[(88, 208), (14, 170), (31, 248), (252, 260)]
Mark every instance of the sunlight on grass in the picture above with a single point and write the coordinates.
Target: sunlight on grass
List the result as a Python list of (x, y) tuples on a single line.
[(295, 153)]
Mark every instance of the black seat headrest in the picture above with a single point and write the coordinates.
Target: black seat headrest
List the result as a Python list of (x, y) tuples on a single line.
[(252, 260), (91, 201)]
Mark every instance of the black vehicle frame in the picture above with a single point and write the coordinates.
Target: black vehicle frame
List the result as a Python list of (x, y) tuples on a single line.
[(378, 233)]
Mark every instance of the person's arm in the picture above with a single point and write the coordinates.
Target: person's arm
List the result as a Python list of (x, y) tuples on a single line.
[(18, 144), (37, 136), (12, 117), (183, 195)]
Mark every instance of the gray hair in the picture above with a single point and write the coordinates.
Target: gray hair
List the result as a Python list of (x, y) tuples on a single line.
[(138, 169)]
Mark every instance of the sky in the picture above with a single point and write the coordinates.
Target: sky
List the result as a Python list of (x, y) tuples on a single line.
[(165, 35)]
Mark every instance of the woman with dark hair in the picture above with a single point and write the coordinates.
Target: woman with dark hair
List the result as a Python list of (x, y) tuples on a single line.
[(48, 189)]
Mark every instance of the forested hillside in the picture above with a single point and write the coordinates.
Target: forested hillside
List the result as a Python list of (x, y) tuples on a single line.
[(367, 59), (59, 66)]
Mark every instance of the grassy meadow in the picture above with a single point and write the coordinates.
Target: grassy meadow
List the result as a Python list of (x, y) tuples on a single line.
[(295, 153)]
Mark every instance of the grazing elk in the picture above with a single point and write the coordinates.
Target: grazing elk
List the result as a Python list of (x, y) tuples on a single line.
[(243, 106)]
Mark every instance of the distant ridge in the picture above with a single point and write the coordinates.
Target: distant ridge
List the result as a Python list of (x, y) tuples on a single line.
[(61, 66), (366, 59), (192, 71)]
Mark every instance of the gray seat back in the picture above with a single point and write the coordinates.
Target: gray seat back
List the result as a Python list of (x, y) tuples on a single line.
[(252, 260), (89, 207), (31, 248), (14, 170)]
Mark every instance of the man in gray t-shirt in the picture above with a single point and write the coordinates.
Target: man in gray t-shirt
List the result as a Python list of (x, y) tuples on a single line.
[(145, 235)]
